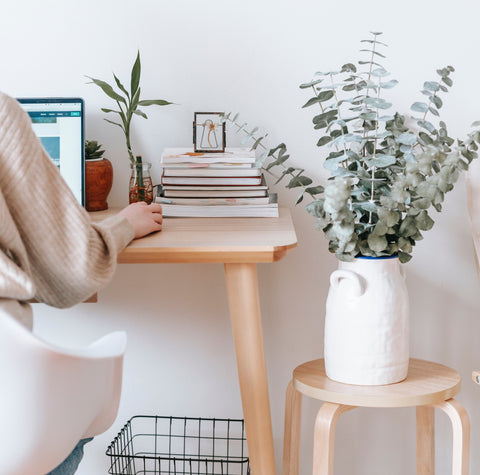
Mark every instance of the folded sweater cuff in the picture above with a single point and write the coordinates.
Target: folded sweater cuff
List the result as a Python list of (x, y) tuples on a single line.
[(119, 229)]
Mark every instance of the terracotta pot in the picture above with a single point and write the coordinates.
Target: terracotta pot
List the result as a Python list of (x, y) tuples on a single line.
[(98, 183)]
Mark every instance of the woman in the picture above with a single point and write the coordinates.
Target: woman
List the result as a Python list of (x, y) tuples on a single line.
[(49, 249)]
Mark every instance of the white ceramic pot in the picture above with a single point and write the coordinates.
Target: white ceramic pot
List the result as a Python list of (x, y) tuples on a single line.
[(367, 322)]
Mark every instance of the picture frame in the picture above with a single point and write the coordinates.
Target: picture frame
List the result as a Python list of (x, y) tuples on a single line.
[(209, 134)]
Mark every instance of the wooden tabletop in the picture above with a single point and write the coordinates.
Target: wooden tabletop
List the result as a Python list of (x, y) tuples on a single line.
[(426, 383), (225, 240)]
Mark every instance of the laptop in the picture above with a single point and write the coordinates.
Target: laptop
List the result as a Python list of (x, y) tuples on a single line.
[(58, 123)]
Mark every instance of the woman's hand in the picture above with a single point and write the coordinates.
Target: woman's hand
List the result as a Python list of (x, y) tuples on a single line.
[(144, 218)]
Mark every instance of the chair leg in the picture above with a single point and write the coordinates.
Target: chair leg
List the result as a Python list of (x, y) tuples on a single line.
[(293, 422), (461, 435), (324, 437), (425, 440)]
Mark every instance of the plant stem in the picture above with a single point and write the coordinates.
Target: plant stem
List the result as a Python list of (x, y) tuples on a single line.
[(140, 183), (372, 190), (339, 116)]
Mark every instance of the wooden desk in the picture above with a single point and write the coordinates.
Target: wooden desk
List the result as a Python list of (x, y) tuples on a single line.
[(238, 243)]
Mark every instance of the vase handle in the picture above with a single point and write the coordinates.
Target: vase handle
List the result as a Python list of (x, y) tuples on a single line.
[(403, 272), (338, 275)]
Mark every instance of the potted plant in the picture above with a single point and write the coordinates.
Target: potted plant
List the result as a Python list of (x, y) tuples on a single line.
[(98, 177), (388, 171), (128, 102)]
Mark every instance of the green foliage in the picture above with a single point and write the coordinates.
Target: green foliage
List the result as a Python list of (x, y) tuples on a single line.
[(93, 150), (127, 102), (387, 172)]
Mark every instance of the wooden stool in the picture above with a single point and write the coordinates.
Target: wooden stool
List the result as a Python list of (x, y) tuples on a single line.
[(428, 386)]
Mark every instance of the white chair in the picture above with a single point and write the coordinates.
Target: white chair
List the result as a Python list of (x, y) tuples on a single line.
[(50, 398)]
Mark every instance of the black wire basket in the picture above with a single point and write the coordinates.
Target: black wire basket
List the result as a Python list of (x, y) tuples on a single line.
[(161, 445)]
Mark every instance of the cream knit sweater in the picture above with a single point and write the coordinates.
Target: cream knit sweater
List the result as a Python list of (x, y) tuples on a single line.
[(49, 249)]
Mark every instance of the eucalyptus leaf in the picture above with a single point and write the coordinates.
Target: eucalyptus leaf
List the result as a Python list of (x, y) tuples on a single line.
[(380, 72), (381, 161), (349, 68), (324, 140), (424, 222), (403, 257), (366, 206), (299, 181), (377, 103), (407, 138), (312, 101), (315, 190), (373, 52), (437, 101), (310, 84), (431, 86), (389, 84), (419, 107), (447, 81), (377, 243), (427, 125)]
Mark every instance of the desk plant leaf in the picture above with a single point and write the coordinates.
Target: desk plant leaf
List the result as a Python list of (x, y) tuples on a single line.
[(387, 171)]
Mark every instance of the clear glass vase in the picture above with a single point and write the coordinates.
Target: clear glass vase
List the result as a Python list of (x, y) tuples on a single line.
[(141, 186)]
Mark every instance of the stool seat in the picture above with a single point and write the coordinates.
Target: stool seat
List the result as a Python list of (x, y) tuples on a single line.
[(428, 386), (426, 383)]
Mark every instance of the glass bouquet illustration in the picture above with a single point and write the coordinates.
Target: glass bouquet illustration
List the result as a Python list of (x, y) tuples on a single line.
[(209, 132)]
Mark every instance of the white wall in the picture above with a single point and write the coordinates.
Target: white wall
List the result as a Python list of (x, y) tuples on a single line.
[(250, 57)]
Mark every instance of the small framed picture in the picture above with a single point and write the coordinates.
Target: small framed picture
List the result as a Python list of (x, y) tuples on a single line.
[(208, 132)]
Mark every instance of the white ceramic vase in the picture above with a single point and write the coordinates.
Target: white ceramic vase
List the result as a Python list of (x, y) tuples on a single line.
[(367, 322)]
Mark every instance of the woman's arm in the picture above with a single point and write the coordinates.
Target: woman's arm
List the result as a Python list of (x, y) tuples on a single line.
[(68, 257)]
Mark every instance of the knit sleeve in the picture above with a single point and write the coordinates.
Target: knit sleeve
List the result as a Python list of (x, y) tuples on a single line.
[(68, 257)]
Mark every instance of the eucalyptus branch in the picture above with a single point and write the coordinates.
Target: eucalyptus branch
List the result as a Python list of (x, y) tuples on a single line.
[(279, 156), (378, 204)]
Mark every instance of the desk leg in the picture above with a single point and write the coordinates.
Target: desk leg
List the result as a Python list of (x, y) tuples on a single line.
[(244, 303), (425, 440), (293, 424)]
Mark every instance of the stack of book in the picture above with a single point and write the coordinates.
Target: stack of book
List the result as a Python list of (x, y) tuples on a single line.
[(223, 184)]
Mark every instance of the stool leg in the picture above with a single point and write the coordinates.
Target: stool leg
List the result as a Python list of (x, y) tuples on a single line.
[(461, 435), (425, 440), (324, 437), (293, 422)]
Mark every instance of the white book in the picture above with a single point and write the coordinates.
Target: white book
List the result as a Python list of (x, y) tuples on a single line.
[(231, 155), (220, 211), (262, 186), (190, 180), (205, 165), (212, 172), (215, 201), (255, 191)]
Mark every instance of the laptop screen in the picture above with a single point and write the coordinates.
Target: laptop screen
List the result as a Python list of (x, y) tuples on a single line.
[(58, 123)]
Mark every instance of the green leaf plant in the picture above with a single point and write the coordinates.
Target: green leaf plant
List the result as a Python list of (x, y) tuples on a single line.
[(388, 169), (127, 102), (93, 150)]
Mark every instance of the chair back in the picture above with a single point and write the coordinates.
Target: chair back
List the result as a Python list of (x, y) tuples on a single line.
[(51, 397)]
